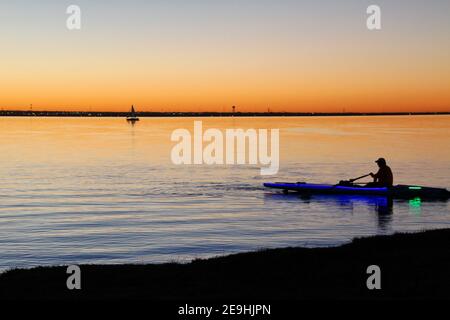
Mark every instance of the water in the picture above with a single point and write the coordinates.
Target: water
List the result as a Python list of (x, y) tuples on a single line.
[(99, 190)]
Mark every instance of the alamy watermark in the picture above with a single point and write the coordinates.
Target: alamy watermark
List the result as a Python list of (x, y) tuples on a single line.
[(374, 280), (73, 22), (373, 21), (228, 147), (74, 280)]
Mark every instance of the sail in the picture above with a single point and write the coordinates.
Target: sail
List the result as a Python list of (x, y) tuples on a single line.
[(133, 113)]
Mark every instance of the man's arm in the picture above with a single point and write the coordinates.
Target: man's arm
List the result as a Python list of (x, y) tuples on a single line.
[(375, 176)]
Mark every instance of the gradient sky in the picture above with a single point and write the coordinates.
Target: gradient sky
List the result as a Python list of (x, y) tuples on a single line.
[(207, 55)]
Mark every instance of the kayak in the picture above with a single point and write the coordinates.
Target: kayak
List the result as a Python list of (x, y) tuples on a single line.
[(399, 191)]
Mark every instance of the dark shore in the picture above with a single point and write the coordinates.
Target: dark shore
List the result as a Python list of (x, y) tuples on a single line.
[(30, 113), (413, 266)]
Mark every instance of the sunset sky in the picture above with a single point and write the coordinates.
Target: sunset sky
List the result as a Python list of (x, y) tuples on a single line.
[(208, 55)]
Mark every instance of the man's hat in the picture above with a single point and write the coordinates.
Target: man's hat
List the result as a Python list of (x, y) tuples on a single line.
[(381, 160)]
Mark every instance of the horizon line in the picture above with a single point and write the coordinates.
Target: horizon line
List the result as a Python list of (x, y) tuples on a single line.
[(30, 113)]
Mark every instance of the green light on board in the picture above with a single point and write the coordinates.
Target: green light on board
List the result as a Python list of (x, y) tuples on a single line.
[(415, 188)]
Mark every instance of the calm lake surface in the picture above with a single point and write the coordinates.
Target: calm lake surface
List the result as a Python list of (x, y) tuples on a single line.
[(99, 190)]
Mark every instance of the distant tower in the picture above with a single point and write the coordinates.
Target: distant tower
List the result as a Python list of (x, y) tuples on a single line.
[(234, 109)]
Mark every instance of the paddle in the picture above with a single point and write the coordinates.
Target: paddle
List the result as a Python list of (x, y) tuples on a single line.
[(359, 178), (343, 182)]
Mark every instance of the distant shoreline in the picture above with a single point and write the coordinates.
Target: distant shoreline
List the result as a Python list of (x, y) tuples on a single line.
[(15, 113)]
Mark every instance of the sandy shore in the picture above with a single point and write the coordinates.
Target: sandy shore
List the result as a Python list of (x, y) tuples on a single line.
[(412, 266)]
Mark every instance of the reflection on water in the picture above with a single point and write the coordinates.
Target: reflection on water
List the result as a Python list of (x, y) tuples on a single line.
[(98, 190), (415, 206), (385, 210), (382, 207)]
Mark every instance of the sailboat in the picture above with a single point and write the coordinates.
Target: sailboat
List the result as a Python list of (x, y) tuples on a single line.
[(132, 117)]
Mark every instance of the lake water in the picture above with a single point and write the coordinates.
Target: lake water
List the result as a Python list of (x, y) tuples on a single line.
[(99, 190)]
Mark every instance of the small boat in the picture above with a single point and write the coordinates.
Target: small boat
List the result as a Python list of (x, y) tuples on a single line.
[(132, 117), (398, 191)]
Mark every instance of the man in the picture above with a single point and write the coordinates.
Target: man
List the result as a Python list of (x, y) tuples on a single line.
[(384, 176)]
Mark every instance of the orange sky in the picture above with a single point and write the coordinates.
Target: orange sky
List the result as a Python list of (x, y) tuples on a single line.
[(310, 60)]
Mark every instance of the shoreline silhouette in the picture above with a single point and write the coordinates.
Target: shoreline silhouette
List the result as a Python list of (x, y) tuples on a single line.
[(273, 274)]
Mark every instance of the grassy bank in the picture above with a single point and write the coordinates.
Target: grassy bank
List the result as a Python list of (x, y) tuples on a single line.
[(412, 266)]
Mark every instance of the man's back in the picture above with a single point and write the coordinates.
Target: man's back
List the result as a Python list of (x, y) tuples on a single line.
[(385, 177)]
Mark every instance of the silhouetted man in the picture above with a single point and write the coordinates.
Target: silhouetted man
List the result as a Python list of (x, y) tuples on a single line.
[(384, 176)]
